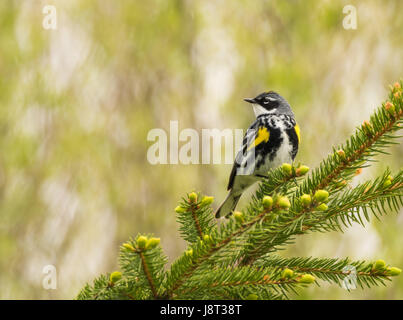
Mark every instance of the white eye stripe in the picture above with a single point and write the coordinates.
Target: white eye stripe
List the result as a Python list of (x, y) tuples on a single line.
[(271, 99)]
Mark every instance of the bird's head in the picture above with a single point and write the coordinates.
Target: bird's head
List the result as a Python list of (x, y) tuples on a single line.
[(270, 102)]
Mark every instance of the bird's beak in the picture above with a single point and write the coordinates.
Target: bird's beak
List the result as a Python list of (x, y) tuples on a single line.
[(250, 100)]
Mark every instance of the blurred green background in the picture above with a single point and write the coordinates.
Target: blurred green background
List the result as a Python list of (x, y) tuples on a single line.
[(77, 103)]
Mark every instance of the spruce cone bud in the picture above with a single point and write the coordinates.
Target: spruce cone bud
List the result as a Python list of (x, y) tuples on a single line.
[(307, 278), (141, 242), (306, 200), (152, 243), (115, 277), (390, 107), (393, 271), (302, 170), (206, 238), (180, 209), (267, 202), (287, 273), (287, 168), (341, 154), (342, 183), (192, 197), (322, 207), (321, 195), (366, 125), (128, 246), (283, 202), (379, 265), (238, 216), (252, 297), (206, 201)]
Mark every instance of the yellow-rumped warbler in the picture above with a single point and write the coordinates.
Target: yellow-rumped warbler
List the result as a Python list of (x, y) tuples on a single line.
[(270, 141)]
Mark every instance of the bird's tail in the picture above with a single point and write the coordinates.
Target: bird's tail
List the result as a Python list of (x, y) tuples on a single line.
[(228, 205)]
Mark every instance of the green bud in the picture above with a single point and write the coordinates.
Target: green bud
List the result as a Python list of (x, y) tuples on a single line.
[(128, 246), (238, 216), (192, 197), (206, 238), (322, 207), (283, 202), (387, 183), (302, 170), (321, 195), (152, 243), (267, 202), (180, 209), (366, 125), (141, 242), (252, 297), (393, 271), (341, 154), (115, 276), (379, 265), (390, 107), (307, 278), (189, 252), (287, 168), (287, 273), (306, 200), (342, 183), (206, 201)]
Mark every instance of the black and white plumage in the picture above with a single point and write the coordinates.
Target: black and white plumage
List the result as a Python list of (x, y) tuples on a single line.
[(270, 141)]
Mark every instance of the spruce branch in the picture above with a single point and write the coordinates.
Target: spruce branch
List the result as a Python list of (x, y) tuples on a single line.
[(331, 270), (195, 218), (350, 206), (185, 266), (332, 173), (104, 289), (235, 260), (148, 275), (344, 209), (143, 261), (370, 139), (265, 282)]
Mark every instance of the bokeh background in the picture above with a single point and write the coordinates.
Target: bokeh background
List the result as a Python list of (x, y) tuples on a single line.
[(77, 103)]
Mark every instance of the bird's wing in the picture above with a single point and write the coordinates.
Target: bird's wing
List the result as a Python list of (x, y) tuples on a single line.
[(251, 139), (295, 138), (297, 132)]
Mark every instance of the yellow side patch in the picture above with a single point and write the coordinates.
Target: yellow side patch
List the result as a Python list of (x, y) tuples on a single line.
[(298, 132), (262, 135)]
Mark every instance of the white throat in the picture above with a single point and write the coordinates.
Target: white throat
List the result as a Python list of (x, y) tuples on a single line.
[(258, 109)]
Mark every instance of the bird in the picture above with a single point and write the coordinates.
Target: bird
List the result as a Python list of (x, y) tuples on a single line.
[(271, 140)]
